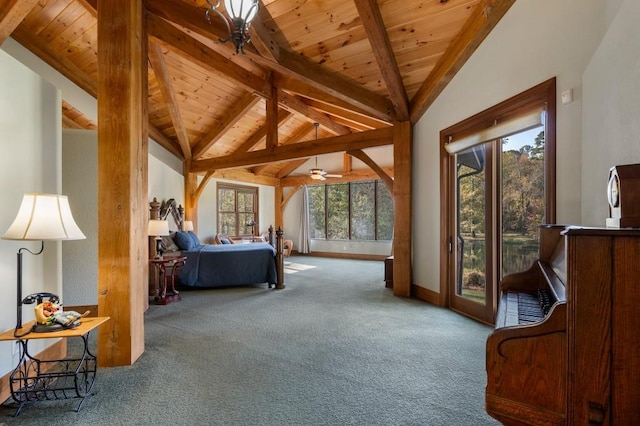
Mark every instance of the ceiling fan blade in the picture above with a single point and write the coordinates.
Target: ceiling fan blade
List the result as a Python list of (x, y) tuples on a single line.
[(333, 176)]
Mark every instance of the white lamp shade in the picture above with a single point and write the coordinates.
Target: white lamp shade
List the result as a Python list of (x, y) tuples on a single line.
[(158, 227), (44, 217), (187, 225), (243, 9)]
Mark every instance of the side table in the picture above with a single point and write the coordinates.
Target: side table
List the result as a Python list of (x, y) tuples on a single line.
[(168, 267), (36, 379)]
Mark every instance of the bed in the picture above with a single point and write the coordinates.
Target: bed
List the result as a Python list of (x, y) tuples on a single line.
[(220, 265)]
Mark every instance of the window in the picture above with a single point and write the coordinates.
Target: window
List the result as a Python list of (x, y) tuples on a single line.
[(498, 181), (237, 206), (351, 211)]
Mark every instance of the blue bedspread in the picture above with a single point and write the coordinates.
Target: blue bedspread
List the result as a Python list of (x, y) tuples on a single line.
[(220, 265)]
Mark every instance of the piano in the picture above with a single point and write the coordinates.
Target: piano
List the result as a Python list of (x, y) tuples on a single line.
[(566, 345)]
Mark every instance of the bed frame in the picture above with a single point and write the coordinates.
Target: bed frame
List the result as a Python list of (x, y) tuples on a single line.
[(162, 210)]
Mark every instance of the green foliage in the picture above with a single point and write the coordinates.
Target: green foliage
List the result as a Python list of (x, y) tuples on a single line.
[(355, 210)]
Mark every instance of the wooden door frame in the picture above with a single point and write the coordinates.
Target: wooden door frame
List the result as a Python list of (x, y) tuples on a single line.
[(541, 94)]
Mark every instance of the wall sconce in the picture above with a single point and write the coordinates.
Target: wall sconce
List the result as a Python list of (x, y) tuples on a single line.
[(240, 12), (41, 217), (158, 228)]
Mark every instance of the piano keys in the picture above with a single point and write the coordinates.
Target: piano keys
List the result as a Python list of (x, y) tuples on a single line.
[(567, 337)]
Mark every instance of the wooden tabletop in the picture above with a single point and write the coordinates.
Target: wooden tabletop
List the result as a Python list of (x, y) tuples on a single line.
[(86, 325)]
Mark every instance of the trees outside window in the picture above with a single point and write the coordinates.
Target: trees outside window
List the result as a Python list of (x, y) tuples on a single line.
[(237, 206), (351, 211)]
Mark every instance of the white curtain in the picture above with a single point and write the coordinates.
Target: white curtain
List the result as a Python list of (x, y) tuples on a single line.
[(304, 241)]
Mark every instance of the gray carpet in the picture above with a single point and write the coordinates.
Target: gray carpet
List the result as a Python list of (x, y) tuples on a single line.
[(333, 348)]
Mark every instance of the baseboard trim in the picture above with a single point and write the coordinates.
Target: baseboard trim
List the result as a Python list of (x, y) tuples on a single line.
[(57, 350), (425, 295), (354, 256)]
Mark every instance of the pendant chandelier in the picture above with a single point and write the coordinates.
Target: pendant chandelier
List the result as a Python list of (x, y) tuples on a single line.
[(240, 12)]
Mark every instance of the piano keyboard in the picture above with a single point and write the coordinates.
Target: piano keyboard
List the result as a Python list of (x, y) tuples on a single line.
[(528, 308)]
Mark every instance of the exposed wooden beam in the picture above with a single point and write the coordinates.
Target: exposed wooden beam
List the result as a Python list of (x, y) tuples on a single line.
[(271, 116), (483, 19), (290, 64), (245, 176), (351, 119), (176, 40), (362, 156), (60, 63), (347, 165), (164, 141), (71, 114), (291, 102), (237, 112), (156, 58), (261, 37), (383, 52), (261, 133), (91, 6), (309, 92), (342, 143), (354, 176), (12, 12), (298, 135), (298, 67), (290, 167), (288, 197)]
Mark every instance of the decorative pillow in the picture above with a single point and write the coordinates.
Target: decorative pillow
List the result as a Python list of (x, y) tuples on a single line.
[(168, 244), (225, 241), (194, 238), (183, 240)]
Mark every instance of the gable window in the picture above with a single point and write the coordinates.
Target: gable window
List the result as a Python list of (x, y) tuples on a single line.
[(351, 211), (237, 206)]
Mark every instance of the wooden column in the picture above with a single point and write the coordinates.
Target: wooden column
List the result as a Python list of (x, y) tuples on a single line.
[(402, 165), (279, 213), (122, 180), (190, 199)]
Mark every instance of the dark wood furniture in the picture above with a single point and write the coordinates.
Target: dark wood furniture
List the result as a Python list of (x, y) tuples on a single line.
[(579, 363), (167, 268), (388, 272), (36, 379)]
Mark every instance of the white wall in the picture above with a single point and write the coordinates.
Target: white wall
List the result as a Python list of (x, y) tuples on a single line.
[(534, 41), (80, 184), (611, 110), (208, 212), (30, 139)]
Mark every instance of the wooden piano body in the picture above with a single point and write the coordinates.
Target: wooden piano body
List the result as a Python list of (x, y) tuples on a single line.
[(580, 362)]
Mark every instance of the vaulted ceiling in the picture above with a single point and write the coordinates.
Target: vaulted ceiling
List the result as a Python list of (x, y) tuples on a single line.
[(353, 66)]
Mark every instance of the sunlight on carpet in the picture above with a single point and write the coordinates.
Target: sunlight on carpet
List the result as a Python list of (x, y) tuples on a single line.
[(293, 267)]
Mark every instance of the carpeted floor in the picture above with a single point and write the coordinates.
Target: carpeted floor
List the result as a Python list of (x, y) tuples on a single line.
[(333, 348)]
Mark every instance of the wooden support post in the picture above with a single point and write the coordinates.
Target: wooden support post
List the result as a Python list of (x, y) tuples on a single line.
[(122, 180), (190, 198), (280, 258), (279, 213), (402, 149)]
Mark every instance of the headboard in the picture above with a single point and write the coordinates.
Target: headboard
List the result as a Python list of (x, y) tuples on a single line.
[(163, 210)]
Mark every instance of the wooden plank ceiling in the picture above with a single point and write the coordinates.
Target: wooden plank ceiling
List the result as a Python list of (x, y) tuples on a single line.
[(353, 66)]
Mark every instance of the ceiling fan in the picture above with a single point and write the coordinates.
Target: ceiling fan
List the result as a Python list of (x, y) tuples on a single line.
[(317, 173)]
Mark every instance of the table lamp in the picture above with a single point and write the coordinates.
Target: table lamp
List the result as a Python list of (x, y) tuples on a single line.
[(187, 225), (41, 217), (158, 228)]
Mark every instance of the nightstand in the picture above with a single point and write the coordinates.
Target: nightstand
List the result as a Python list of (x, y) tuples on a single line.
[(167, 267)]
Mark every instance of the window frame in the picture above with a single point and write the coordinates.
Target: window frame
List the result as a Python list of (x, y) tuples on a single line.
[(378, 186), (254, 190)]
